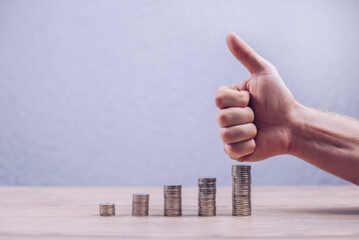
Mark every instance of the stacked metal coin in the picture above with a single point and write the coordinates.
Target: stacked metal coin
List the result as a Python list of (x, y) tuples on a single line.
[(241, 190), (173, 200), (140, 203), (206, 196), (107, 209)]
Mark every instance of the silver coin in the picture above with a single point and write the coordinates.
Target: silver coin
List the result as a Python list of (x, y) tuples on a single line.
[(107, 209), (207, 196), (172, 200), (241, 190), (140, 204)]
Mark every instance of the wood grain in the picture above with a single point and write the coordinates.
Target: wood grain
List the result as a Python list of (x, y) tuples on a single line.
[(314, 212)]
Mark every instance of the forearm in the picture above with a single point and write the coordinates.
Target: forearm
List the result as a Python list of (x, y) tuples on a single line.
[(328, 141)]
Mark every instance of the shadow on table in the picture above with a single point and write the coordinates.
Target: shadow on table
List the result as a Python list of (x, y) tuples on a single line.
[(329, 211)]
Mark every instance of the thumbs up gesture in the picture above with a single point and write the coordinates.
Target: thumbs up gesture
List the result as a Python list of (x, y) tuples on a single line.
[(256, 115)]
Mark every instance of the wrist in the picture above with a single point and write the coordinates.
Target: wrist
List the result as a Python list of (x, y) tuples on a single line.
[(297, 127)]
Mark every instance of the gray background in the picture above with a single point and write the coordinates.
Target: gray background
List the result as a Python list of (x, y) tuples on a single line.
[(121, 92)]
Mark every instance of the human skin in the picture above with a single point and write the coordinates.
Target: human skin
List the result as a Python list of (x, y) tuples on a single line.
[(259, 118)]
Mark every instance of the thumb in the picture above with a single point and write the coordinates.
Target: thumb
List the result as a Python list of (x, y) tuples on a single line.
[(246, 55)]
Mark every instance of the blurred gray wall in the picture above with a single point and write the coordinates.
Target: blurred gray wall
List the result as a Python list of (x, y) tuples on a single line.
[(121, 92)]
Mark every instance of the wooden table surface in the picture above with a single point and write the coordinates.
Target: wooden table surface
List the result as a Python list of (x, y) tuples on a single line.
[(311, 212)]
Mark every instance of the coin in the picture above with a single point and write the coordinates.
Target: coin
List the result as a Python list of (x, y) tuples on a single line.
[(172, 200), (107, 209), (207, 196), (241, 190), (140, 204)]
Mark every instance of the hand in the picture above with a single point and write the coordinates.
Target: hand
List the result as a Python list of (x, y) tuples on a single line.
[(255, 115)]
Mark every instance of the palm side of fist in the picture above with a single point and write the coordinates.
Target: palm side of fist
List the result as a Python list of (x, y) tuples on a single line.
[(256, 115)]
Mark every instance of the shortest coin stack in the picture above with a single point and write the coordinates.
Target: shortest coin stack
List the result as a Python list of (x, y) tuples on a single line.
[(173, 200), (206, 196), (107, 209), (140, 204)]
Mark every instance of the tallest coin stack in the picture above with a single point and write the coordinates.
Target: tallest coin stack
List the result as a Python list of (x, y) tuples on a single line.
[(241, 190)]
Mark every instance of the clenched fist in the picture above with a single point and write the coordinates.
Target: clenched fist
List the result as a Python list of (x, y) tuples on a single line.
[(256, 115), (259, 118)]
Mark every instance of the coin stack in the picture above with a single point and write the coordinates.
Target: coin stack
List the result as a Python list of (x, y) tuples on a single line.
[(140, 204), (173, 200), (107, 209), (241, 190), (206, 196)]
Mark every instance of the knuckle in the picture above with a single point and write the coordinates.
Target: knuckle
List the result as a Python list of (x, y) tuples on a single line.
[(220, 96), (273, 68), (222, 117), (232, 150), (219, 99), (227, 149), (269, 67), (225, 135)]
